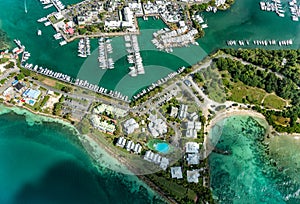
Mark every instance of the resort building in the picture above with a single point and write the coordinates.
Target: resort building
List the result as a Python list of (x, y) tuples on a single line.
[(193, 116), (102, 125), (182, 111), (118, 112), (192, 176), (163, 162), (157, 126), (130, 145), (191, 147), (19, 87), (130, 126), (193, 159), (121, 142), (174, 112), (31, 93), (192, 128), (176, 172)]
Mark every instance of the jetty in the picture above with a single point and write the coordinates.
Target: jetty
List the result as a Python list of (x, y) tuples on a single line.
[(105, 48), (84, 48), (270, 42), (134, 56)]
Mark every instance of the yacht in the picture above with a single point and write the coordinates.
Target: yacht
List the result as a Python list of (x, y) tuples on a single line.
[(42, 19), (63, 43), (39, 32)]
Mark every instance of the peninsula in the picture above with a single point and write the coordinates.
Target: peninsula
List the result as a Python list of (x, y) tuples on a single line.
[(165, 133)]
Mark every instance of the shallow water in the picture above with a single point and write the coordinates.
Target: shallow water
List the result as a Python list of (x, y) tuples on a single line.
[(250, 174), (43, 162)]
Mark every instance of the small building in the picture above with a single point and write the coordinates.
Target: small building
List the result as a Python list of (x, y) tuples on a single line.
[(137, 148), (189, 125), (174, 112), (182, 111), (157, 126), (191, 133), (193, 159), (191, 147), (187, 82), (176, 172), (193, 116), (130, 145), (121, 142), (19, 87), (31, 93), (197, 126), (192, 176), (149, 156), (164, 163), (130, 126)]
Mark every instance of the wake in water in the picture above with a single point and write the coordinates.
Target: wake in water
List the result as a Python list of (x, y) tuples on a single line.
[(25, 6)]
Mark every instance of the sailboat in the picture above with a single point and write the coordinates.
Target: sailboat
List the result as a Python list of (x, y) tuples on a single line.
[(25, 6)]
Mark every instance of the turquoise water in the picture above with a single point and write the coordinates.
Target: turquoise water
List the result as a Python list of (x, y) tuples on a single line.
[(43, 162), (251, 172), (162, 147)]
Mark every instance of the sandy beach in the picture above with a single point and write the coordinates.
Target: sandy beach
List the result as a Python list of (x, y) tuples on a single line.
[(227, 113)]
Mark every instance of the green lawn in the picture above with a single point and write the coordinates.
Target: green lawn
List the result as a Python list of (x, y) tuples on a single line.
[(273, 101), (59, 86), (169, 186), (241, 93)]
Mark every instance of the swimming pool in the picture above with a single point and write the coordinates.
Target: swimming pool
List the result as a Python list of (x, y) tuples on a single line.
[(162, 147)]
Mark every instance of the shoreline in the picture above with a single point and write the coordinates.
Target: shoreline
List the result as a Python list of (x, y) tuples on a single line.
[(233, 112), (123, 162), (90, 150)]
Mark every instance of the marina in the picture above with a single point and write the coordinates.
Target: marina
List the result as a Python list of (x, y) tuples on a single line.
[(134, 56), (105, 49)]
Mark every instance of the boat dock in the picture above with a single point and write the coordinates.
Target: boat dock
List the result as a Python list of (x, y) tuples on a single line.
[(259, 42), (295, 10), (105, 49), (84, 47), (166, 39), (158, 83), (77, 82), (134, 56), (278, 7)]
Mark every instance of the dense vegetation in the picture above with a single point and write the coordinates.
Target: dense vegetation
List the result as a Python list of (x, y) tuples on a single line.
[(269, 81), (273, 60), (180, 189)]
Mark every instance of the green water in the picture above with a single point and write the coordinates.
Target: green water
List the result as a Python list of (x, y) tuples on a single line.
[(253, 172)]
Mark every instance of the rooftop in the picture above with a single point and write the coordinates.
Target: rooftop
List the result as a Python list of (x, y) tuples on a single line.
[(191, 147), (176, 172), (192, 176)]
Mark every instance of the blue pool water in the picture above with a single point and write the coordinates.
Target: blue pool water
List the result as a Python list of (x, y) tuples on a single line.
[(162, 147)]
